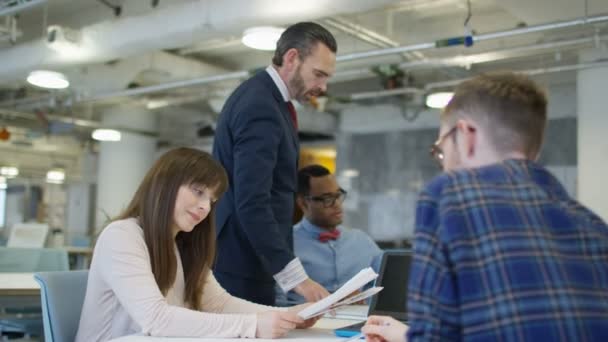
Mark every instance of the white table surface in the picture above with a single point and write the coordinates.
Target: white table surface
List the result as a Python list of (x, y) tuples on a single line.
[(18, 284), (321, 332)]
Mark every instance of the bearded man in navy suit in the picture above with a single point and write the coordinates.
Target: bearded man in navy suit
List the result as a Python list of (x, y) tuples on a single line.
[(256, 140)]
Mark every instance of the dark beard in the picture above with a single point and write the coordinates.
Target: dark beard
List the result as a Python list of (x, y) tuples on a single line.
[(297, 84)]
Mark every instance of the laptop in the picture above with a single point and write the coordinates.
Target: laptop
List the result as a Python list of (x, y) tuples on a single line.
[(392, 300)]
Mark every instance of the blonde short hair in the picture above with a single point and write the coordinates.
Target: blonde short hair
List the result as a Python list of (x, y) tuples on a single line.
[(511, 106)]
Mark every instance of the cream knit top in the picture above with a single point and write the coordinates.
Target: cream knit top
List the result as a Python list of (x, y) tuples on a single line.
[(122, 297)]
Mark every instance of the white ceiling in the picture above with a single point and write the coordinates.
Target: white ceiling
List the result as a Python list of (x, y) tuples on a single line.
[(169, 52)]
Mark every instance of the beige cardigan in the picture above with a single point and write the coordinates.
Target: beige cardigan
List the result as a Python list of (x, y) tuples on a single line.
[(122, 297)]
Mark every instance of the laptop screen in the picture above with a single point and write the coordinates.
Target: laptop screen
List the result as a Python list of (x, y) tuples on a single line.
[(393, 276)]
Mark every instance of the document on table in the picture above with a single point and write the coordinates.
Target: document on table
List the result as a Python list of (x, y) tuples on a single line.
[(340, 297)]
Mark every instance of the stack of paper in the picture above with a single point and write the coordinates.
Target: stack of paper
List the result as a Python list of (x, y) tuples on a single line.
[(339, 298)]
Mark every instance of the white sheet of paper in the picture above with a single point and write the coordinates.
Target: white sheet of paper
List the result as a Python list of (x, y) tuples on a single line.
[(359, 297), (359, 280), (349, 301)]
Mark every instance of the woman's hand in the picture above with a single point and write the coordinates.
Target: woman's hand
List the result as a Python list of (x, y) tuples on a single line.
[(307, 323), (275, 324), (384, 329)]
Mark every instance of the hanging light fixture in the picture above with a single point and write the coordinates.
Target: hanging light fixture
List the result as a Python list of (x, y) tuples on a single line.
[(439, 100), (262, 37), (55, 176), (48, 79), (104, 134)]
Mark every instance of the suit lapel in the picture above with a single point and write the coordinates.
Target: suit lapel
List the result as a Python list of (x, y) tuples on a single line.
[(276, 93)]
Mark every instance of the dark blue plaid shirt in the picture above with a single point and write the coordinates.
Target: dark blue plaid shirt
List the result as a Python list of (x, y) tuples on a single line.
[(502, 253)]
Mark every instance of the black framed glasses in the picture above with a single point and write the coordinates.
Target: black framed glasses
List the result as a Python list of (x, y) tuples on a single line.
[(329, 200), (436, 151)]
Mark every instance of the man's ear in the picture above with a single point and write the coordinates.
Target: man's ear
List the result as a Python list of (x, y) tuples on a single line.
[(291, 58), (468, 137)]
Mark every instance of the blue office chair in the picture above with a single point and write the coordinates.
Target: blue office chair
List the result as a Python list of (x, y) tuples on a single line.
[(23, 315), (62, 297)]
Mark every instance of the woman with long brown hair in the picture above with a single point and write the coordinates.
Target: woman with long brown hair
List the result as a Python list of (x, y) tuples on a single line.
[(151, 268)]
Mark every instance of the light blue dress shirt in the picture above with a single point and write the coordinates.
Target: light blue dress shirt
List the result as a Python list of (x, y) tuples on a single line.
[(334, 262)]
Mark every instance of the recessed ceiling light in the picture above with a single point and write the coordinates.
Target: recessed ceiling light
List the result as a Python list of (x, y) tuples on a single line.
[(155, 104), (439, 100), (103, 134), (55, 176), (9, 171), (262, 37), (48, 79)]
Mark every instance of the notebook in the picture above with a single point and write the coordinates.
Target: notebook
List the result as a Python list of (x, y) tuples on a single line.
[(392, 300)]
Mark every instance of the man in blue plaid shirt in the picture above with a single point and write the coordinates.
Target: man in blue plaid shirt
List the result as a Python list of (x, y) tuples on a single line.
[(501, 251)]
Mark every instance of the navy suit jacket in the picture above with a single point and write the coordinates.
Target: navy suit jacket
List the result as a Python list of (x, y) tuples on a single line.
[(257, 143)]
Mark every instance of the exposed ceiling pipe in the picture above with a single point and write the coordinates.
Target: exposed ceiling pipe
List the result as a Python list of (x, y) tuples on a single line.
[(452, 83), (86, 124), (385, 93), (477, 38), (341, 75), (366, 31), (12, 114), (429, 87), (422, 5), (466, 61), (369, 36), (243, 74), (490, 56), (165, 86), (190, 22), (459, 61), (524, 50), (531, 72), (19, 6), (210, 45)]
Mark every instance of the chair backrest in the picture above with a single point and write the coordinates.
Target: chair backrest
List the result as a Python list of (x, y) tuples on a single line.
[(61, 296), (23, 260), (31, 235)]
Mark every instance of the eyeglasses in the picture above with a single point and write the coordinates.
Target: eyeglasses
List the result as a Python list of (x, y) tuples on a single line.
[(436, 151), (329, 200)]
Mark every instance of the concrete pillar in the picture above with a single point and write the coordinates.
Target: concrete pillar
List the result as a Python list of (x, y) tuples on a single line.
[(592, 85), (122, 165)]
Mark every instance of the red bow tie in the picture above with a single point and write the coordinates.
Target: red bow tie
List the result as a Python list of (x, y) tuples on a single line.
[(330, 235)]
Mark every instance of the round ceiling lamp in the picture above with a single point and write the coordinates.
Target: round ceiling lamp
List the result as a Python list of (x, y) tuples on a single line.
[(439, 100), (103, 134), (48, 79), (262, 37)]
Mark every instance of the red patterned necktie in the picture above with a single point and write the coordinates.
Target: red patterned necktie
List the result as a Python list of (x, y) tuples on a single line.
[(329, 235), (294, 114)]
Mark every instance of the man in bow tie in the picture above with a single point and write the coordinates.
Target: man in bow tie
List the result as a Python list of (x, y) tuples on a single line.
[(331, 255)]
